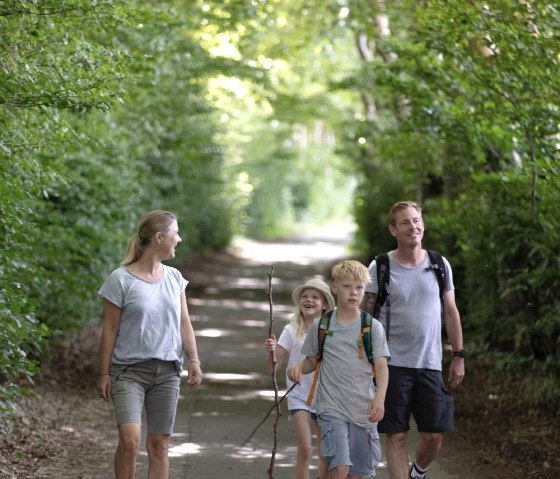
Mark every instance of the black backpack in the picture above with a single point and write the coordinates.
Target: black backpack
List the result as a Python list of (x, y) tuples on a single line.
[(383, 277)]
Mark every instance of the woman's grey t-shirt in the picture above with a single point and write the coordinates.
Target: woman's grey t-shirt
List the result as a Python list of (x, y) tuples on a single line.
[(150, 326), (344, 387), (415, 317)]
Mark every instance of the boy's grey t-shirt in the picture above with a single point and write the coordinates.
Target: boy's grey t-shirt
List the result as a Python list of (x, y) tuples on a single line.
[(344, 388), (415, 320), (150, 325)]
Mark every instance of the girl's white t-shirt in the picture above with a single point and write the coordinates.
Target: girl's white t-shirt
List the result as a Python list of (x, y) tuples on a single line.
[(297, 399)]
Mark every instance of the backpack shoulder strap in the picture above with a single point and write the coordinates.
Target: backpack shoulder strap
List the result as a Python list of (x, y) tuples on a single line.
[(383, 277), (438, 267), (364, 342), (323, 331)]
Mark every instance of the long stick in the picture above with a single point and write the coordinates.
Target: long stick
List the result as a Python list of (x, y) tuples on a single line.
[(267, 416), (274, 381)]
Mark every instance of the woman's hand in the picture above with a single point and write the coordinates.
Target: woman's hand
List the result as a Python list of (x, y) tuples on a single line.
[(195, 374), (104, 386)]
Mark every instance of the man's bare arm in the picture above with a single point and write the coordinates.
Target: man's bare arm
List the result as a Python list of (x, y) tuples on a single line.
[(368, 303)]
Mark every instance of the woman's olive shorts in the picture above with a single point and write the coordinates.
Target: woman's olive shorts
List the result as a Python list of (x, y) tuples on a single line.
[(153, 385)]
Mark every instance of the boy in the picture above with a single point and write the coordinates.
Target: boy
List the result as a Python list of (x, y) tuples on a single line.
[(347, 408)]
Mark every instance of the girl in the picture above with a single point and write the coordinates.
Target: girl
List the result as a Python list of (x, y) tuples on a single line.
[(313, 299)]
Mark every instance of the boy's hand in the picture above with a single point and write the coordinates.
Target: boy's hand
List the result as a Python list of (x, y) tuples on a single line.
[(376, 410), (270, 344), (294, 373)]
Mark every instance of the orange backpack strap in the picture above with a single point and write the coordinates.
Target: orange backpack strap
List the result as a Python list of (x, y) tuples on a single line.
[(323, 332)]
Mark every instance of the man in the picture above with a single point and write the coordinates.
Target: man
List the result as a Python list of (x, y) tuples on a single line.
[(416, 383)]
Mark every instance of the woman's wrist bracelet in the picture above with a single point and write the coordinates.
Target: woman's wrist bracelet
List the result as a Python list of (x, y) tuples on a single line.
[(104, 374), (194, 361)]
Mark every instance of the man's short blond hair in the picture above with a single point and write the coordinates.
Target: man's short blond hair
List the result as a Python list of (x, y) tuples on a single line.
[(351, 270)]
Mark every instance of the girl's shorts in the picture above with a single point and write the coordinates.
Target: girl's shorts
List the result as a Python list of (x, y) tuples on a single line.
[(153, 385)]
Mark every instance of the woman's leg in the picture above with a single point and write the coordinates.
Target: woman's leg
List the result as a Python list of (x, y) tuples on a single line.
[(157, 446), (127, 449)]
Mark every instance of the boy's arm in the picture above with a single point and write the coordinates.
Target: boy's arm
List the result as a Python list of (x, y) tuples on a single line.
[(376, 409), (305, 366)]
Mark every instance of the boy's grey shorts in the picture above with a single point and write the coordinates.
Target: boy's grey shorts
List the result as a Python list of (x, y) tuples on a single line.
[(153, 385), (344, 443)]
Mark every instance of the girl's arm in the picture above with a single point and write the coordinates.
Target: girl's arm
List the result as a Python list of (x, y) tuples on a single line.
[(281, 354)]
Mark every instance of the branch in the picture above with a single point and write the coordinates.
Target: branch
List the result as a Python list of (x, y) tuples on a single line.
[(267, 416)]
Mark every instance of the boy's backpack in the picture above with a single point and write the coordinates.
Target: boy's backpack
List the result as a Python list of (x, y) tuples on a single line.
[(383, 277), (364, 344)]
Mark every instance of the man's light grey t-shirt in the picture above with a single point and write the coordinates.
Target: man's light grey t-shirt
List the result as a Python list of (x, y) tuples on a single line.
[(415, 317)]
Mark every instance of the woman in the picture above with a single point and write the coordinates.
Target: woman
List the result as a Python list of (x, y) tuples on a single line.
[(146, 330)]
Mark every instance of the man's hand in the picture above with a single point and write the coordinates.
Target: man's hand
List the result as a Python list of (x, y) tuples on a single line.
[(456, 372)]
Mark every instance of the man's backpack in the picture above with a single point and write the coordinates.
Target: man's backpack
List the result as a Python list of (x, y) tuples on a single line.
[(384, 275), (364, 344)]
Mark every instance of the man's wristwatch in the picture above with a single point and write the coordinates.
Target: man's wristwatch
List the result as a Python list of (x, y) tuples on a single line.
[(459, 354)]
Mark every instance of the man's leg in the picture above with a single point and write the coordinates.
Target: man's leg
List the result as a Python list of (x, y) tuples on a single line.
[(157, 446), (127, 449), (397, 456), (427, 448)]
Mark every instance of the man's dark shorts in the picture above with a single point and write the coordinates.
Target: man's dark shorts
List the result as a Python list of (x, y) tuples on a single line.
[(421, 392)]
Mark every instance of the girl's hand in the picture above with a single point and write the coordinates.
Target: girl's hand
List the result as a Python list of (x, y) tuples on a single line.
[(270, 344)]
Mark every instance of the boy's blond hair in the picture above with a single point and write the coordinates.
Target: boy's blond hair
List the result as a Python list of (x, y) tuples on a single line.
[(351, 270)]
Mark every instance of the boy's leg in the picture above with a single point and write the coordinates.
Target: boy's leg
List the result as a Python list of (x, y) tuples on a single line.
[(365, 450), (341, 472), (335, 445), (323, 469)]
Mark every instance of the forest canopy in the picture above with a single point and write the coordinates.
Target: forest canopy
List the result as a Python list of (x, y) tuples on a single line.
[(109, 109)]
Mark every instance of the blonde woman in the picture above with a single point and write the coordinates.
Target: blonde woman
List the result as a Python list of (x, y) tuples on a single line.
[(312, 299), (146, 330)]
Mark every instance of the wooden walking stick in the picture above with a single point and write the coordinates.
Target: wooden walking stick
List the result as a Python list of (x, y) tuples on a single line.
[(274, 381)]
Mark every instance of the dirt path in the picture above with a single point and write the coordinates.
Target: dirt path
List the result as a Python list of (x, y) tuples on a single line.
[(69, 433), (230, 311)]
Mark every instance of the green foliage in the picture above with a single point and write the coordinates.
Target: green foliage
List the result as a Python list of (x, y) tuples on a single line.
[(261, 118), (102, 117), (466, 122)]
